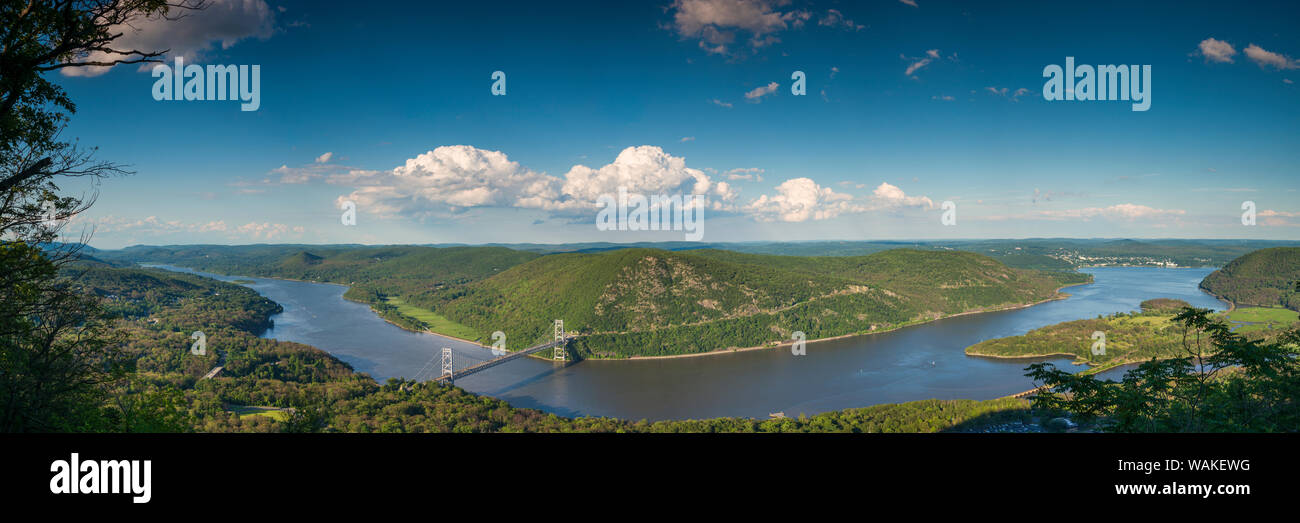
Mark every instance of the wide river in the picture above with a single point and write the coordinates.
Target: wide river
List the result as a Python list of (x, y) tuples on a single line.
[(919, 362)]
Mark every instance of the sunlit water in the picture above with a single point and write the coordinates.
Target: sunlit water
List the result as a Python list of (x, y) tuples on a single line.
[(920, 362)]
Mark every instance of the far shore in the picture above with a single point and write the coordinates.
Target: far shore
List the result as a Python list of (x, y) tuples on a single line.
[(1059, 296)]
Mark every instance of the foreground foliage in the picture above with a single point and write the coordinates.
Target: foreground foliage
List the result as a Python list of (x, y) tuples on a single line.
[(1221, 382)]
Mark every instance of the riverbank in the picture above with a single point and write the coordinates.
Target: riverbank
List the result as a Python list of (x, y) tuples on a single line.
[(1057, 297)]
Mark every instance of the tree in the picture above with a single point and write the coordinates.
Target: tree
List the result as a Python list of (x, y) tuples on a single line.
[(1223, 382), (55, 355)]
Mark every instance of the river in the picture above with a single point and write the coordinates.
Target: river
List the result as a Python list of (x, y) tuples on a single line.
[(919, 362)]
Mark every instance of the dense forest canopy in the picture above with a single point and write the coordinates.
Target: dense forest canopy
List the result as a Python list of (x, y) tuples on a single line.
[(1267, 277), (647, 302)]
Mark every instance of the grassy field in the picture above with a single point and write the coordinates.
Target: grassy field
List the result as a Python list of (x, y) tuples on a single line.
[(1128, 338), (437, 323), (245, 411), (1263, 318)]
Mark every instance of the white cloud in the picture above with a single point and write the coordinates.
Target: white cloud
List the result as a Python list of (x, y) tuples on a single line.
[(800, 199), (889, 196), (909, 2), (720, 103), (1271, 59), (448, 176), (324, 158), (716, 22), (266, 230), (461, 176), (758, 93), (688, 139), (645, 169), (1216, 50), (745, 173), (223, 22)]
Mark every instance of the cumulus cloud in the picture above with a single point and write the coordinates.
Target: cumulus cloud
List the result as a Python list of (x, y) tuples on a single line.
[(456, 177), (909, 2), (1270, 59), (222, 22), (720, 103), (645, 169), (449, 176), (716, 23), (800, 199), (324, 158), (889, 196), (1216, 50), (756, 94)]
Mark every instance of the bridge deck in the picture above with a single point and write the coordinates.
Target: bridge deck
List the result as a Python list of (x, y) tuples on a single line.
[(460, 373)]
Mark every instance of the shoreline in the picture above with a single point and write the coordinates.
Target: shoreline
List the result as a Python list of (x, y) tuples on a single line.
[(1057, 297)]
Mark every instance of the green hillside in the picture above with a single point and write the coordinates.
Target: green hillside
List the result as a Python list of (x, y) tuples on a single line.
[(650, 302), (1267, 278)]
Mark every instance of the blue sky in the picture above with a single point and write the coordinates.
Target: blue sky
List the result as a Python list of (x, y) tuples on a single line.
[(907, 106)]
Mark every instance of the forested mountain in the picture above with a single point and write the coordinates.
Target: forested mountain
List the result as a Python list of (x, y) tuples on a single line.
[(646, 302), (1267, 277)]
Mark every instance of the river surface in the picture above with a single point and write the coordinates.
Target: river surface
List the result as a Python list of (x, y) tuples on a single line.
[(920, 362)]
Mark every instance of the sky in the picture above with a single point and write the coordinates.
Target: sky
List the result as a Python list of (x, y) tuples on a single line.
[(907, 105)]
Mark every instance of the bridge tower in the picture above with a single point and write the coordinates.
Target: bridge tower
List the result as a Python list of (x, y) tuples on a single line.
[(560, 353), (448, 369)]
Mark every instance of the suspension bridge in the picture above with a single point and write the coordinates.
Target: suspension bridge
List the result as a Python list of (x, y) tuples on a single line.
[(558, 346)]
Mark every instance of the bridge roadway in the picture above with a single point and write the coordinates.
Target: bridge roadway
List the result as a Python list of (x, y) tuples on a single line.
[(460, 373)]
